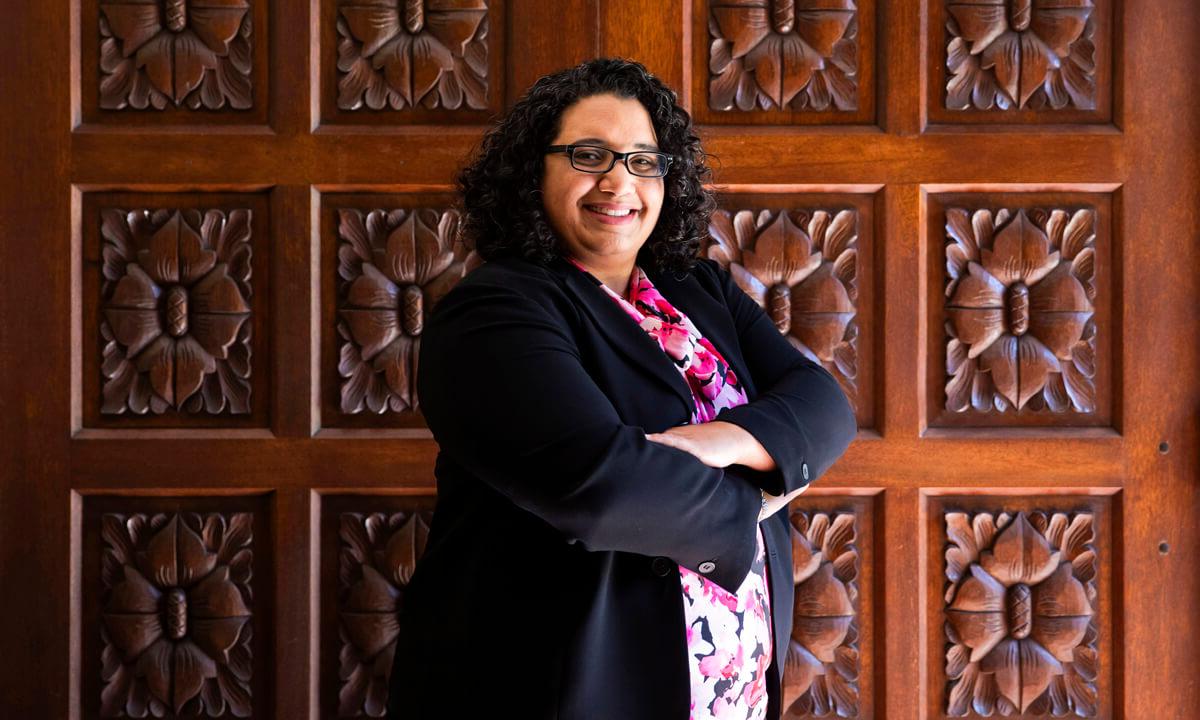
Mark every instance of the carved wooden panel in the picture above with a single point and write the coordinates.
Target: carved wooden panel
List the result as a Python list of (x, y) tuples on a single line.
[(822, 663), (176, 607), (801, 259), (786, 61), (1024, 310), (391, 266), (1019, 297), (827, 671), (766, 54), (418, 60), (179, 51), (370, 549), (178, 306), (1019, 605), (172, 62), (177, 297), (176, 628), (1018, 60), (1020, 609), (1017, 53), (412, 52)]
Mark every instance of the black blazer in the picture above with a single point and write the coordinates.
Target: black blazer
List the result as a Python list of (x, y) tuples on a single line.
[(548, 587)]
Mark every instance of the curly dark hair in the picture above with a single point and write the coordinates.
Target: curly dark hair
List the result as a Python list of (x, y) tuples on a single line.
[(499, 190)]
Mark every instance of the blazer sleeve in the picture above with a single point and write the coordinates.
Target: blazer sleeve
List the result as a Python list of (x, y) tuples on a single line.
[(504, 391), (801, 416)]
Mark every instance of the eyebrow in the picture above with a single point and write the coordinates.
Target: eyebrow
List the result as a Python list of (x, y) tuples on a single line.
[(601, 141)]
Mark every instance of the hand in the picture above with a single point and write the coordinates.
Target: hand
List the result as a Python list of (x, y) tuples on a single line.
[(775, 503), (717, 444)]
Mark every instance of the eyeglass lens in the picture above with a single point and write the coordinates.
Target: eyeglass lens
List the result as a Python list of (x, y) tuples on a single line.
[(645, 164)]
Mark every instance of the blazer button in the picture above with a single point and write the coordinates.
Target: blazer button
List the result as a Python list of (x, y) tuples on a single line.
[(707, 566), (804, 470), (661, 566)]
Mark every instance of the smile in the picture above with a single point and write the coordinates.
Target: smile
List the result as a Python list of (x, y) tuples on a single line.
[(611, 212), (611, 216)]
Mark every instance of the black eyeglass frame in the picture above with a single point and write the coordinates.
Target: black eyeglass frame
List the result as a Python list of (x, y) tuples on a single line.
[(569, 151)]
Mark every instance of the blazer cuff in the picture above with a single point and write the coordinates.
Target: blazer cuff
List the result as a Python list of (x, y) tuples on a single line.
[(769, 481), (787, 444)]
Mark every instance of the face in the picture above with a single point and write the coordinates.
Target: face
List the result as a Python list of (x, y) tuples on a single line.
[(580, 205)]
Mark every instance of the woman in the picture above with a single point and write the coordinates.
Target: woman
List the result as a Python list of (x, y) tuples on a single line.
[(618, 426)]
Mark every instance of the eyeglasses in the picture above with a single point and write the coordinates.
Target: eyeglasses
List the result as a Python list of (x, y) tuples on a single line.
[(596, 159)]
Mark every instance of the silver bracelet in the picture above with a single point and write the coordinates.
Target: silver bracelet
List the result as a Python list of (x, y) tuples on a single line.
[(764, 503)]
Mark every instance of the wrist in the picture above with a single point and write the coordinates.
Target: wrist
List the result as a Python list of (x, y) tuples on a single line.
[(749, 451)]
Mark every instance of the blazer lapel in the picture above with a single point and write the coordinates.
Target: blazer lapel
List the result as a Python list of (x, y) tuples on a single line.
[(622, 333), (709, 315)]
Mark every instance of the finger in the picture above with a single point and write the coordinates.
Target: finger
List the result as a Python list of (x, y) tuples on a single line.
[(680, 443)]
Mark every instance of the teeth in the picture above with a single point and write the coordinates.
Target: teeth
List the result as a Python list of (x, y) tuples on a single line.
[(612, 213)]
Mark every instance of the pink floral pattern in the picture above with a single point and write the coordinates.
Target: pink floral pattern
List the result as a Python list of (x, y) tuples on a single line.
[(729, 635)]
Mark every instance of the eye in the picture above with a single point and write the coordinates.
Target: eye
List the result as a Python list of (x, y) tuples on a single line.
[(645, 162), (589, 156)]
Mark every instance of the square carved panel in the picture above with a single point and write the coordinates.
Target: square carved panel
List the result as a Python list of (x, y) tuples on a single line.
[(830, 661), (411, 61), (387, 260), (1019, 61), (808, 260), (1020, 623), (1020, 323), (175, 310), (174, 62), (369, 549), (176, 607), (784, 62)]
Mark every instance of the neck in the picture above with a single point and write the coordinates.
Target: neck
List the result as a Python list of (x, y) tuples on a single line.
[(615, 275)]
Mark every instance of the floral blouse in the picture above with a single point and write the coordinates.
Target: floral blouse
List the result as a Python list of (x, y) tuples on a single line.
[(728, 633)]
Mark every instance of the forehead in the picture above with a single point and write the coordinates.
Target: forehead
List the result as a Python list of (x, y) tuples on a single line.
[(615, 120)]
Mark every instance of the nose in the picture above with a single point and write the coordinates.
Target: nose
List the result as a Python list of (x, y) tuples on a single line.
[(618, 181)]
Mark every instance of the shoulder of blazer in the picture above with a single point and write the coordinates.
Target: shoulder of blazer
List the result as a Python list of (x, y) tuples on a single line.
[(514, 277), (510, 271)]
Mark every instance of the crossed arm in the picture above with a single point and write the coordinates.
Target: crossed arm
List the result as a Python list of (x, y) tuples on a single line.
[(793, 431), (721, 444)]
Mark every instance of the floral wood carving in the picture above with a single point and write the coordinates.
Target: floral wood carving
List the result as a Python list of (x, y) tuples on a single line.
[(154, 52), (783, 54), (1019, 310), (176, 300), (1020, 53), (393, 267), (401, 53), (379, 553), (176, 620), (801, 267), (1020, 609), (821, 671)]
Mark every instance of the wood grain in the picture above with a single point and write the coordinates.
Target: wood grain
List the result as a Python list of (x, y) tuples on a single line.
[(284, 147)]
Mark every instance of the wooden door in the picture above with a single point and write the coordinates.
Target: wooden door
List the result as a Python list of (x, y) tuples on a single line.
[(215, 477)]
